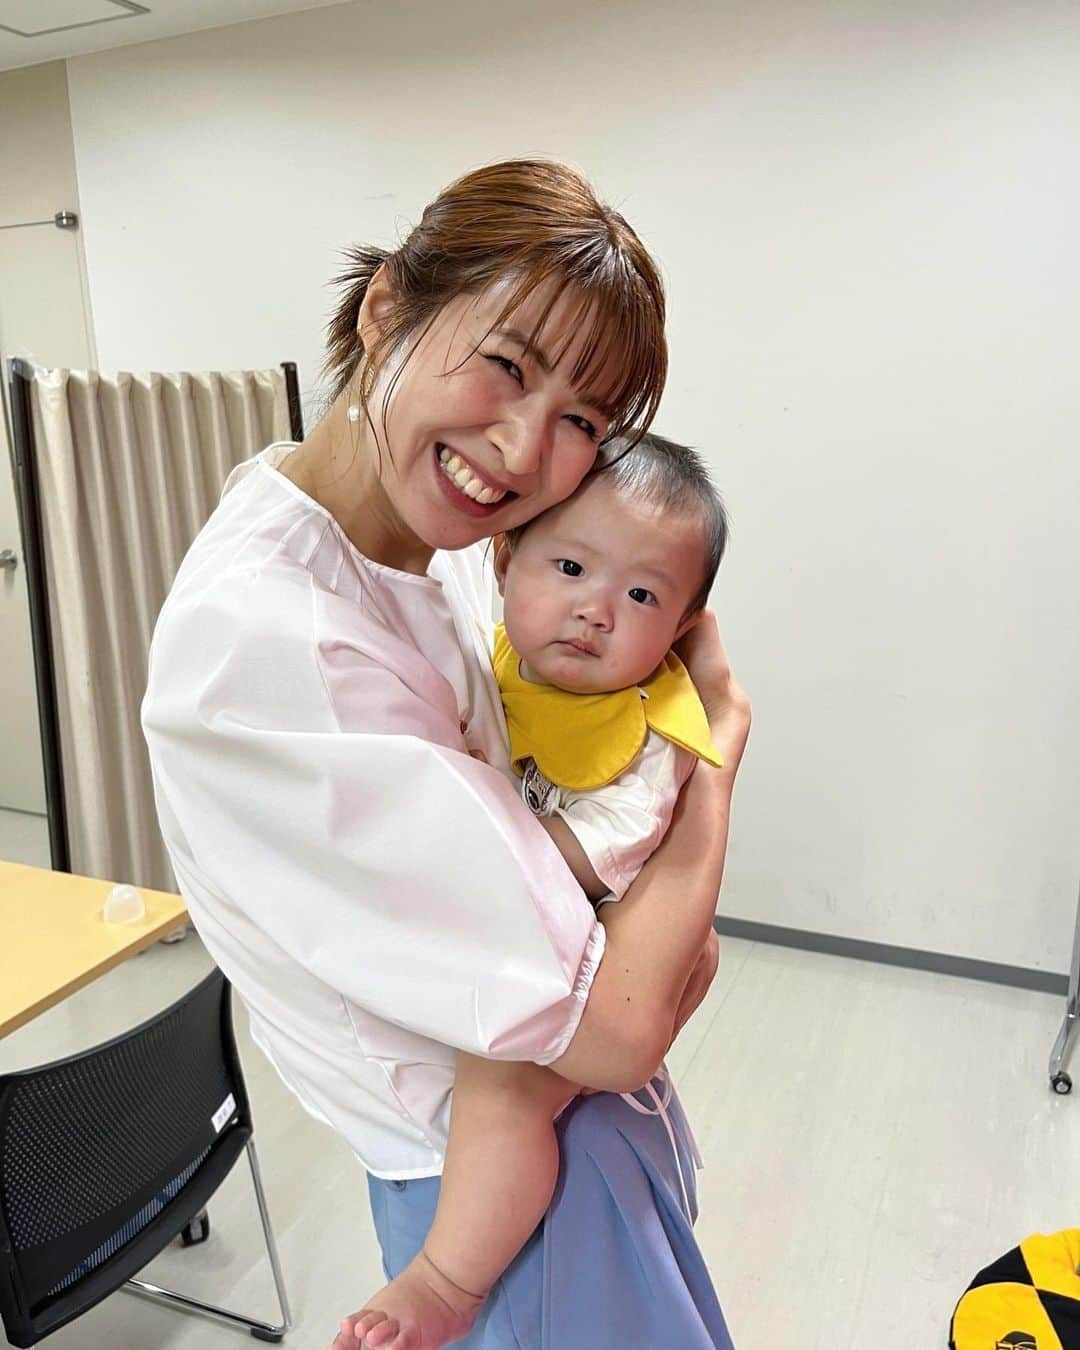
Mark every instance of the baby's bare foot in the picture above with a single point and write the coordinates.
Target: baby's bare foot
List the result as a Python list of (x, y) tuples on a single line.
[(422, 1309)]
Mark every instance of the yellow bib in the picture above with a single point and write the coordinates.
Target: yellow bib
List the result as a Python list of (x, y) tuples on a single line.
[(585, 741)]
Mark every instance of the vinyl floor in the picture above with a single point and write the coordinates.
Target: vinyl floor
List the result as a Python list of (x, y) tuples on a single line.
[(872, 1137)]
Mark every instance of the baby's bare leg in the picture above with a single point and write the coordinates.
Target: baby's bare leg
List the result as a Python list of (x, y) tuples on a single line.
[(502, 1162), (501, 1166)]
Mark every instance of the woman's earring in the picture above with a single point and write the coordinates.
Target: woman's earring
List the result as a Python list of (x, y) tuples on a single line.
[(366, 382)]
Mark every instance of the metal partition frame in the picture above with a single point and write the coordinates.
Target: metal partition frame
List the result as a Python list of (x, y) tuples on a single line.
[(292, 388), (20, 375)]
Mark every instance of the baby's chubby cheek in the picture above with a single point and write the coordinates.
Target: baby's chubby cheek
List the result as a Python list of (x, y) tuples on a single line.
[(527, 628)]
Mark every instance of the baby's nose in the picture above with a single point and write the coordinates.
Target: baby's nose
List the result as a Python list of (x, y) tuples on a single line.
[(595, 612)]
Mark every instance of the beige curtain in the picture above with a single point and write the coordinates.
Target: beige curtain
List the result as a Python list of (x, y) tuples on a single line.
[(129, 467)]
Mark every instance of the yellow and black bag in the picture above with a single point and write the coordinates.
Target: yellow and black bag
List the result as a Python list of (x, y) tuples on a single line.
[(1027, 1300)]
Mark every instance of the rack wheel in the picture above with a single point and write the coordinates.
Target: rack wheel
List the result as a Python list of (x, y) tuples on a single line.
[(198, 1230), (1062, 1084)]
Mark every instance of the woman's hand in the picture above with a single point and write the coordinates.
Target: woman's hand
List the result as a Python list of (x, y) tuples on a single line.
[(699, 983), (726, 705)]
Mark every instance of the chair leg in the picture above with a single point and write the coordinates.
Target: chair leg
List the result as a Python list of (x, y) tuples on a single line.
[(271, 1243), (197, 1231), (262, 1331)]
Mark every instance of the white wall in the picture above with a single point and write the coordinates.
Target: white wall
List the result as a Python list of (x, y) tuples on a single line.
[(44, 316), (867, 213)]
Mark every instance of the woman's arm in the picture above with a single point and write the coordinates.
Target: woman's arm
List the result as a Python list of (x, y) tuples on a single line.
[(283, 770), (656, 934)]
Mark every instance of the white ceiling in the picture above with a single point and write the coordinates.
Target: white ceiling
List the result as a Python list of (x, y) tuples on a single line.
[(96, 25)]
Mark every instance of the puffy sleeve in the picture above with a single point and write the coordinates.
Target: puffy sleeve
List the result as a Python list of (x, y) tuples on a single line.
[(324, 789), (620, 825)]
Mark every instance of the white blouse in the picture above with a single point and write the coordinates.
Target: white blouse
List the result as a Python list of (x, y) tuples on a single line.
[(377, 896), (619, 826)]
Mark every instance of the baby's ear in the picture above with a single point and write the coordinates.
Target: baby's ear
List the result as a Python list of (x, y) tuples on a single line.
[(502, 561), (687, 623)]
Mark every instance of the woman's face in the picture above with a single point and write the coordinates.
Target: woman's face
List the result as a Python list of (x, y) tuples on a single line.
[(482, 436)]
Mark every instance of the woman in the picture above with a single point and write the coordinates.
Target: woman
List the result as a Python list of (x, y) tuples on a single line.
[(329, 757)]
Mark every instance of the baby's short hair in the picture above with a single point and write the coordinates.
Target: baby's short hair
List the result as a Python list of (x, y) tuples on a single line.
[(673, 477)]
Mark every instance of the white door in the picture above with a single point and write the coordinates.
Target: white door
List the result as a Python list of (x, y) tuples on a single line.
[(42, 317)]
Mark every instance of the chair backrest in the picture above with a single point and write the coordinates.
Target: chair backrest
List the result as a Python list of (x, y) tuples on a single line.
[(107, 1155)]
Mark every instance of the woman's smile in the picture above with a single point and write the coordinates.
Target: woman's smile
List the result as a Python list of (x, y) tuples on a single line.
[(464, 488), (473, 482)]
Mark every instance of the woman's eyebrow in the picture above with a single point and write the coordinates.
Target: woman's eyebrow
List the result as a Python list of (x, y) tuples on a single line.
[(542, 359), (547, 366)]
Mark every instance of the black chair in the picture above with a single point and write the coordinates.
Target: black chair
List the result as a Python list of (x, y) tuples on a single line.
[(106, 1157)]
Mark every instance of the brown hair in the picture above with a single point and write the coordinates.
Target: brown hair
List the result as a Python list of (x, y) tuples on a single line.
[(528, 221)]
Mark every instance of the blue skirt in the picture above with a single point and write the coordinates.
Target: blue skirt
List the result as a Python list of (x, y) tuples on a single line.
[(614, 1261)]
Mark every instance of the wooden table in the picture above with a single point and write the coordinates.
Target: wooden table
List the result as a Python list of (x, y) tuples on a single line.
[(54, 941)]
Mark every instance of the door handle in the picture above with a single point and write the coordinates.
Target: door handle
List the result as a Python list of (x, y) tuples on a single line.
[(8, 560)]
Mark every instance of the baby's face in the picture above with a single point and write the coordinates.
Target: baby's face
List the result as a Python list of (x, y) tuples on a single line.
[(597, 589)]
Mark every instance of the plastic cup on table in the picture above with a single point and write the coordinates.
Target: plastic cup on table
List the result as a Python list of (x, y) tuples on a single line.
[(124, 904)]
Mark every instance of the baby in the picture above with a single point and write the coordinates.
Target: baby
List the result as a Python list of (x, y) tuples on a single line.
[(605, 727)]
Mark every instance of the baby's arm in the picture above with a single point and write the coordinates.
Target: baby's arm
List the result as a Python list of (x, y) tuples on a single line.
[(616, 828), (575, 857), (502, 1162)]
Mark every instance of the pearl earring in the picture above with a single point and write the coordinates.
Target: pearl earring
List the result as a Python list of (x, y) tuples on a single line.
[(353, 413)]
